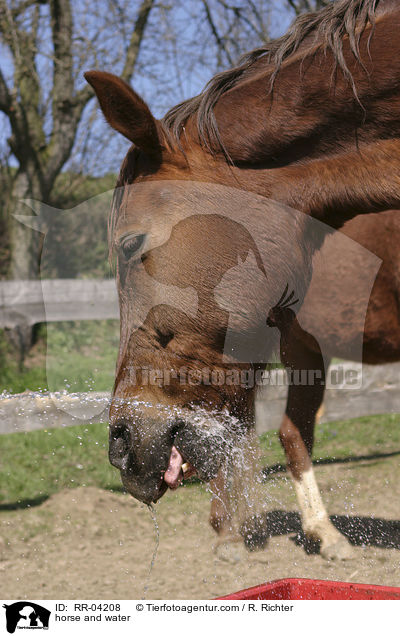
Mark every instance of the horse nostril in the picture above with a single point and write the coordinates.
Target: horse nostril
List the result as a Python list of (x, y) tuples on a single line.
[(119, 444), (164, 338)]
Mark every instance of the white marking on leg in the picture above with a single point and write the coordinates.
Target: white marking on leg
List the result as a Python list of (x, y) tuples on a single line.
[(315, 519), (313, 512)]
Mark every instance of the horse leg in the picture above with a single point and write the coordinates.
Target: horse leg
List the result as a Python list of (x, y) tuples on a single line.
[(228, 545), (221, 509), (297, 437), (237, 501)]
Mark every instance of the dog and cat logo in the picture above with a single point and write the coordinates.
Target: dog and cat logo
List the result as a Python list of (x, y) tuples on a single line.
[(26, 615)]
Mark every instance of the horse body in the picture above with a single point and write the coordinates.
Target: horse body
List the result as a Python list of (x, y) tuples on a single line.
[(379, 335), (312, 122), (380, 332)]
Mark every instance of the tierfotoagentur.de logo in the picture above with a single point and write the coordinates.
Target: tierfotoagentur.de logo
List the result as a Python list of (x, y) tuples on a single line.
[(26, 615)]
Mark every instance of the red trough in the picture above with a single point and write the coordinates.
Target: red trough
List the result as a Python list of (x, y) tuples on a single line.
[(312, 589)]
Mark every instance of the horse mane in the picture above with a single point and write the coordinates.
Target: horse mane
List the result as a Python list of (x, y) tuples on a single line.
[(327, 27)]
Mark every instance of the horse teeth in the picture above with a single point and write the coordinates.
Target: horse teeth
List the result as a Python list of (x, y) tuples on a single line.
[(185, 467)]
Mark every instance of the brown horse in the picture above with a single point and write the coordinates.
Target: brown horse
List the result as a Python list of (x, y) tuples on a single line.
[(310, 121)]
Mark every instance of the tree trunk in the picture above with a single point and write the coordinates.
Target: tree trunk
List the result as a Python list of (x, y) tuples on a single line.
[(25, 243), (26, 246)]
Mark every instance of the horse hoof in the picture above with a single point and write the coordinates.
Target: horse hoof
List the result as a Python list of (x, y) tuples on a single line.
[(341, 550)]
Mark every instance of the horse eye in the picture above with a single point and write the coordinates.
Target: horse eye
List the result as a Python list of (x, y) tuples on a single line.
[(131, 245)]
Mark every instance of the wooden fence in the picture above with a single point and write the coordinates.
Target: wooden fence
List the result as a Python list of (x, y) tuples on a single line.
[(33, 301), (30, 302), (378, 393)]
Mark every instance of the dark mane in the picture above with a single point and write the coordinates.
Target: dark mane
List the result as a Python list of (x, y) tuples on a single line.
[(327, 28)]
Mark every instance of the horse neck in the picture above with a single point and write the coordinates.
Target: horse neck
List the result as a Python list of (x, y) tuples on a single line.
[(331, 189), (319, 142)]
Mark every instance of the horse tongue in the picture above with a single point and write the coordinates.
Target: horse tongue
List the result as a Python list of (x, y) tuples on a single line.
[(174, 475)]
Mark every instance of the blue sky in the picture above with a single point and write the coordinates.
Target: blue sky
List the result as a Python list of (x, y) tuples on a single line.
[(167, 71)]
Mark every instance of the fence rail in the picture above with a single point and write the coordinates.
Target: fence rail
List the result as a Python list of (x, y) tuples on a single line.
[(379, 393), (32, 301)]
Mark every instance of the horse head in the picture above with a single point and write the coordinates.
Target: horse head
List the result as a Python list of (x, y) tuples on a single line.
[(189, 187), (170, 230)]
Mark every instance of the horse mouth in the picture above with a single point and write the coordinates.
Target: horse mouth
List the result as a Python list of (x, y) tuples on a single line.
[(149, 488), (197, 446)]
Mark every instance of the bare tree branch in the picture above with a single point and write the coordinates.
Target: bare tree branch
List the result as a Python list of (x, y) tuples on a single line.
[(8, 29), (262, 30), (136, 39), (84, 95), (301, 6), (215, 33), (5, 98), (65, 117), (294, 6), (21, 8), (61, 27)]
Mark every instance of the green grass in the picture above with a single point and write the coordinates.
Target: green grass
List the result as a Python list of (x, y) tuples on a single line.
[(37, 464), (348, 438), (12, 380), (73, 356), (81, 355)]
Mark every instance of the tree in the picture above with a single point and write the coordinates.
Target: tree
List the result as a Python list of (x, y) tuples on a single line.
[(44, 112)]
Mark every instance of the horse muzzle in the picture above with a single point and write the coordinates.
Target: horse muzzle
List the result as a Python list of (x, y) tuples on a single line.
[(144, 450)]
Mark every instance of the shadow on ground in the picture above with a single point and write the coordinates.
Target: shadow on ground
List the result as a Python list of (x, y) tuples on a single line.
[(360, 531), (21, 504), (281, 468)]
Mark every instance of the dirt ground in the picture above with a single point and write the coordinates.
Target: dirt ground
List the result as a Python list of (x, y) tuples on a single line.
[(87, 543)]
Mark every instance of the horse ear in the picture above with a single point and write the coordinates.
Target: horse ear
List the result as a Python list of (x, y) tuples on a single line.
[(125, 111)]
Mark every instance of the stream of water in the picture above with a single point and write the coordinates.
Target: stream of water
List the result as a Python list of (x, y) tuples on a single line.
[(157, 543)]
